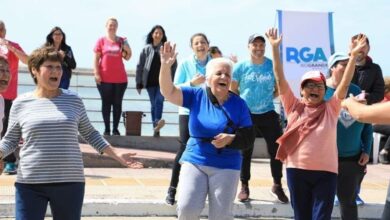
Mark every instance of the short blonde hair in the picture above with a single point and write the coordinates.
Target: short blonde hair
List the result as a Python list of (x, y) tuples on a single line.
[(112, 19)]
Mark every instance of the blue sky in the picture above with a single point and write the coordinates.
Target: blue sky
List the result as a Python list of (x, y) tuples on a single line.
[(227, 23)]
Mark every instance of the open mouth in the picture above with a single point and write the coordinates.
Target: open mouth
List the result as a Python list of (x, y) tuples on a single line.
[(222, 84), (53, 79), (312, 95), (3, 82)]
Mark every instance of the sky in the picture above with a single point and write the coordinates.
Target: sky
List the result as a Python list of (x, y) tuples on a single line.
[(227, 23)]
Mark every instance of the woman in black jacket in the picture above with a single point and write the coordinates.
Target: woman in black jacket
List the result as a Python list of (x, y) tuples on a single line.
[(56, 38), (147, 73)]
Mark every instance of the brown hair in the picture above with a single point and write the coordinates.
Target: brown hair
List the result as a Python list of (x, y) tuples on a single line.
[(39, 56), (387, 83)]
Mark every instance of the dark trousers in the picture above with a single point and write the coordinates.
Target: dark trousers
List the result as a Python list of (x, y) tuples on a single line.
[(184, 136), (311, 193), (66, 200), (112, 95), (384, 130), (268, 125), (156, 103), (349, 178), (7, 107), (386, 210)]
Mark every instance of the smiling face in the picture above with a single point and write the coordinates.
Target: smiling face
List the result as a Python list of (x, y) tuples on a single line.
[(157, 36), (200, 46), (57, 37), (112, 26), (313, 92), (48, 76), (4, 75), (219, 79), (257, 49)]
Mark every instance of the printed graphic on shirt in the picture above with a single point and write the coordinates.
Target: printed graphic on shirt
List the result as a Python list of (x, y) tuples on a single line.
[(345, 118)]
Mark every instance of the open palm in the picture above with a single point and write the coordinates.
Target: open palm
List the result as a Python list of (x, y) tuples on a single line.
[(272, 36), (168, 53)]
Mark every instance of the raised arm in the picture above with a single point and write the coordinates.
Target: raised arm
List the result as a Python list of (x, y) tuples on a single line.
[(342, 88), (169, 91), (275, 40)]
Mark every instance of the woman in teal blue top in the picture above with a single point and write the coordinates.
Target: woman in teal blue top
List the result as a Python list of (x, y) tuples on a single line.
[(190, 72), (354, 140), (219, 126)]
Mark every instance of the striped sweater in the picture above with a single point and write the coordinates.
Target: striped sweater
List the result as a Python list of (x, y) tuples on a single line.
[(49, 128)]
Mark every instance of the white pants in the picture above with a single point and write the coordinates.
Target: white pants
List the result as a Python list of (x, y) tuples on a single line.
[(196, 182)]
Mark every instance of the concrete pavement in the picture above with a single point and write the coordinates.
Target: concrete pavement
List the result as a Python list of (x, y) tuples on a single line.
[(141, 192)]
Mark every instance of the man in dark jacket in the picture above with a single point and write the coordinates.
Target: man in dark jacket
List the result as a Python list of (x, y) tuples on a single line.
[(368, 75)]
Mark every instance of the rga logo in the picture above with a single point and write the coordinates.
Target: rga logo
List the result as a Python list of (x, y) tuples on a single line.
[(307, 57)]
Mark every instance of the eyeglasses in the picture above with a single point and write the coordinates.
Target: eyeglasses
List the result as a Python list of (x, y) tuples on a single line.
[(57, 33), (53, 68), (311, 85)]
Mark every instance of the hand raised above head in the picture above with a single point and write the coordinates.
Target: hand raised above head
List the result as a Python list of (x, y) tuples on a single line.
[(358, 44), (272, 36), (168, 54)]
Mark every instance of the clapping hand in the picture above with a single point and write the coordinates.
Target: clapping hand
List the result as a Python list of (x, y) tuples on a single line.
[(272, 36), (168, 54)]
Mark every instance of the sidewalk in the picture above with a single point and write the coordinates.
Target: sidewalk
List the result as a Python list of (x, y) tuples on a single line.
[(131, 192)]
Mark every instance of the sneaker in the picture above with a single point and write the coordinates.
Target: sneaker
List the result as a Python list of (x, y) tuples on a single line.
[(156, 134), (359, 201), (116, 132), (278, 192), (170, 199), (336, 201), (243, 196), (383, 157), (10, 168), (159, 125)]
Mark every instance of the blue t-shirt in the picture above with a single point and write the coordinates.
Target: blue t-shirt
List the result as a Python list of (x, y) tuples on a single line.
[(207, 120), (256, 83), (353, 137)]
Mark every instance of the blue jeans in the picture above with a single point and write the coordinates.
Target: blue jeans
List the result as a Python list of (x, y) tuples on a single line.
[(66, 200), (156, 103), (312, 193)]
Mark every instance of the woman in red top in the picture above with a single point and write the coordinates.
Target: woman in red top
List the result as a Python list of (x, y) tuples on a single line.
[(110, 73)]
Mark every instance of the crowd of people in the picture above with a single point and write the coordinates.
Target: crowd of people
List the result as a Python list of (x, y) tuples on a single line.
[(224, 104)]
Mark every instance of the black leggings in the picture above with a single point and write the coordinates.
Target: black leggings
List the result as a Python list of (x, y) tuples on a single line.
[(184, 136), (268, 125), (112, 95)]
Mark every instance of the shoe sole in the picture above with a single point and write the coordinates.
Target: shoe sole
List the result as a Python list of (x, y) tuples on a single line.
[(276, 198), (159, 125)]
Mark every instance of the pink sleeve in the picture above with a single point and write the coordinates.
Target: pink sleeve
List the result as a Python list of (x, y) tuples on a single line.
[(335, 104), (288, 100), (98, 46)]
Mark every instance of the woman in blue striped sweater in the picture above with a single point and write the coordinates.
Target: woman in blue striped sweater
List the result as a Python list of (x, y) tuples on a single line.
[(48, 120)]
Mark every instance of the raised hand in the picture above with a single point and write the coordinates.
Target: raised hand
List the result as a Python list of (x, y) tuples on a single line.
[(358, 44), (168, 54), (272, 36)]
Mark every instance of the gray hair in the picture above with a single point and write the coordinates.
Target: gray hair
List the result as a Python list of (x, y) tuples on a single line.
[(220, 60)]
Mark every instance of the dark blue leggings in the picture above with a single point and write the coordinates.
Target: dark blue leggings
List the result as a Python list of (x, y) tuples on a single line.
[(311, 193), (112, 95), (66, 200)]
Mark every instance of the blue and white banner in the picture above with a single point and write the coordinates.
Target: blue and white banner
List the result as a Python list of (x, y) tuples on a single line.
[(307, 43)]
